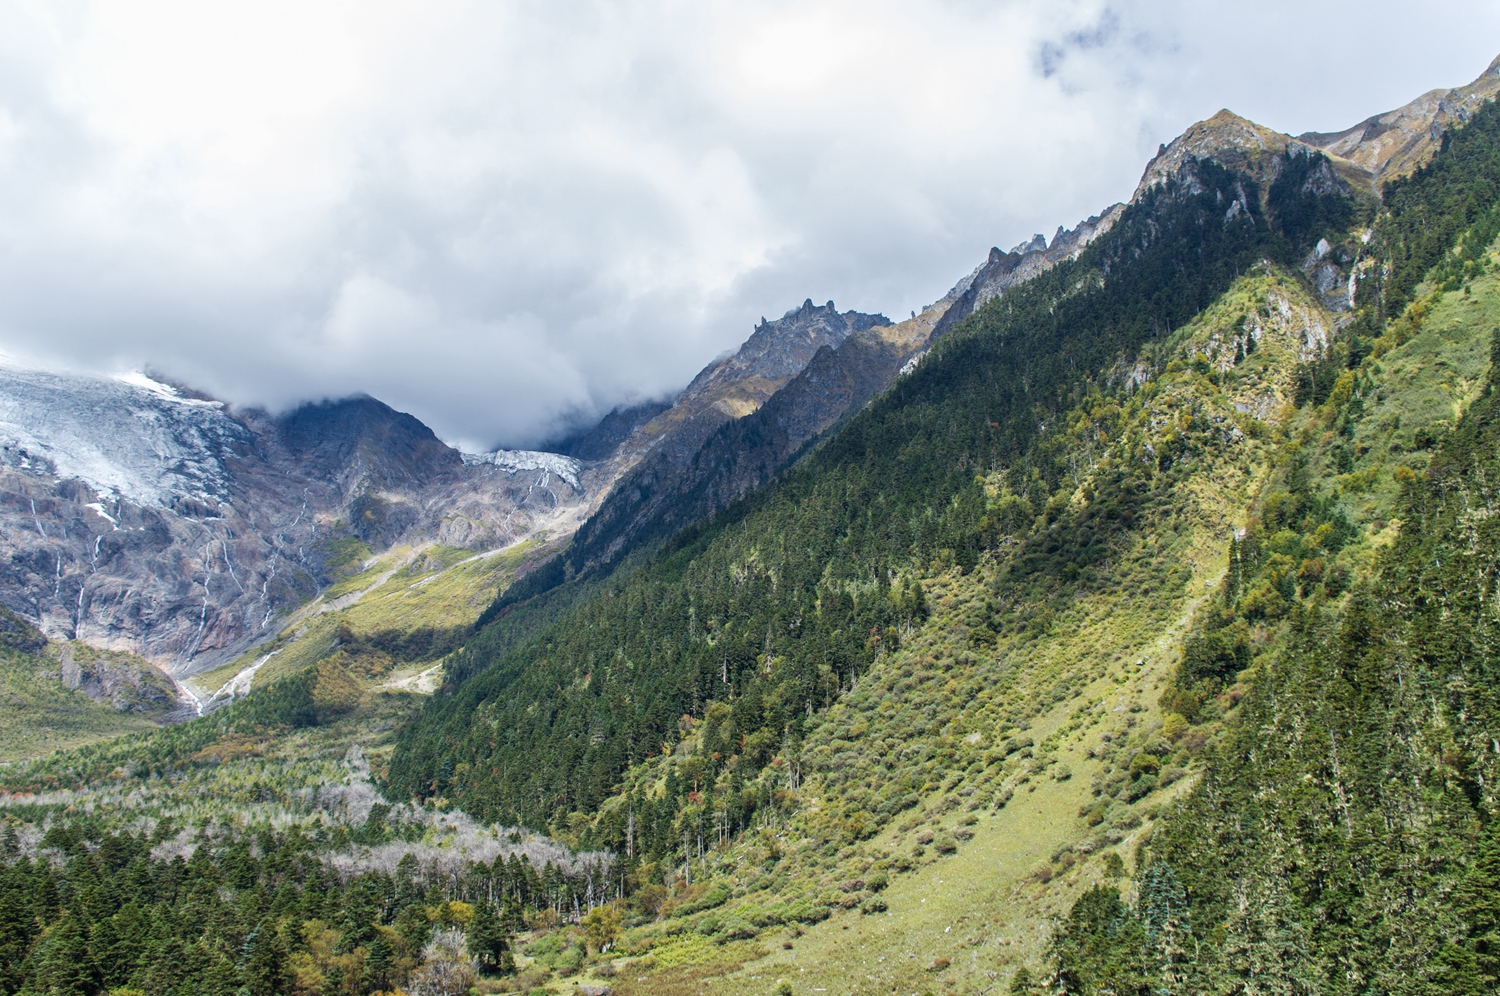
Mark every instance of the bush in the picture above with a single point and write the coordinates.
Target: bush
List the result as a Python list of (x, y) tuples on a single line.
[(897, 804), (1141, 788), (807, 911), (873, 905), (735, 929), (716, 896), (770, 916)]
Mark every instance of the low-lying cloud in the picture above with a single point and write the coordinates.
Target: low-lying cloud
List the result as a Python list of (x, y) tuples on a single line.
[(504, 216)]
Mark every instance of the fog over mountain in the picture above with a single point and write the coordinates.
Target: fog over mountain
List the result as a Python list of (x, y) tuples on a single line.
[(508, 218)]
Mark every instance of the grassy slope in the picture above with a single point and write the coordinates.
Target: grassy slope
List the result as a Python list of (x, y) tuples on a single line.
[(947, 704), (403, 589), (40, 713)]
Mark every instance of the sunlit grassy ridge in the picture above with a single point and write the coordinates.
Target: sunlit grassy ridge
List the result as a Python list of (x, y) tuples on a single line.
[(894, 812), (1344, 837)]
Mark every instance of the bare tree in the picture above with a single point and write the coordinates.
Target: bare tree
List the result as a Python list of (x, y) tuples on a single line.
[(447, 968)]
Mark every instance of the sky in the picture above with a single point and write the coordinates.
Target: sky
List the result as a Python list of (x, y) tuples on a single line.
[(509, 217)]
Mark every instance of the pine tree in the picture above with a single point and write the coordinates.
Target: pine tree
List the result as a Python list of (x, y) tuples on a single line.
[(264, 961), (489, 941), (63, 964)]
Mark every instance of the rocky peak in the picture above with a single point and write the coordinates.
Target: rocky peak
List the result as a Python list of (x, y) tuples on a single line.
[(1003, 270), (353, 437), (1226, 138), (1377, 149), (738, 384), (1397, 142), (1038, 243), (781, 349)]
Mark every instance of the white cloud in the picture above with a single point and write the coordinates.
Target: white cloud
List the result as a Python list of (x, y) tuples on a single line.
[(500, 214)]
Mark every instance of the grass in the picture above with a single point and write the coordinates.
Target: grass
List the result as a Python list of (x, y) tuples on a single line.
[(39, 713), (1417, 391)]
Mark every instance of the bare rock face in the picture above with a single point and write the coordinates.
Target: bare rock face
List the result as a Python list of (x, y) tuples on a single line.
[(136, 517), (1397, 142)]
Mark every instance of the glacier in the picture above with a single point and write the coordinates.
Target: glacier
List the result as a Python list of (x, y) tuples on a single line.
[(128, 437), (564, 467)]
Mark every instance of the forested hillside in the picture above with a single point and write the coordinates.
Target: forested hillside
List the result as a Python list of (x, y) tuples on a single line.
[(250, 851), (1344, 838), (778, 605)]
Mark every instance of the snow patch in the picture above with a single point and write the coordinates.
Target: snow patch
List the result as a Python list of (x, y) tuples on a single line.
[(515, 460)]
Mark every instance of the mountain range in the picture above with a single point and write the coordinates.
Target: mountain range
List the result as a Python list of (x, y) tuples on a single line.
[(1122, 622)]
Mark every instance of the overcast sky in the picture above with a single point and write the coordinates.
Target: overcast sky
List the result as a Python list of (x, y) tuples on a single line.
[(503, 216)]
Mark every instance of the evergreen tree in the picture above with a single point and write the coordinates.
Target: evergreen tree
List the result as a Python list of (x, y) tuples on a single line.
[(489, 941), (264, 961)]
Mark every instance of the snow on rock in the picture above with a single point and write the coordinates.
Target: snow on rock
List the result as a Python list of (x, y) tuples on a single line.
[(127, 437), (553, 463)]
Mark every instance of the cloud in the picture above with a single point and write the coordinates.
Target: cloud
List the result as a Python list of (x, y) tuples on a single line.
[(504, 215)]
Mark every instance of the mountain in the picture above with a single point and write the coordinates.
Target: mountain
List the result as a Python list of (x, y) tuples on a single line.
[(1132, 633), (137, 517), (718, 442), (1397, 142), (745, 418), (976, 594), (144, 517)]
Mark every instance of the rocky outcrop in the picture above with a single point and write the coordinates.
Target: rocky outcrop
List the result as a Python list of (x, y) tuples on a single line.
[(1004, 270), (124, 682)]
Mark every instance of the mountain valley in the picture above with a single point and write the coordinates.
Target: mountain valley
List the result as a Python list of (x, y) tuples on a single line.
[(1123, 622)]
